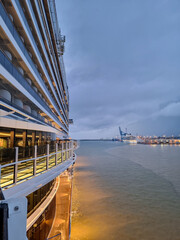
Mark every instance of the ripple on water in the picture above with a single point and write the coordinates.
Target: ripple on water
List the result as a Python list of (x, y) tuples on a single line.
[(116, 197)]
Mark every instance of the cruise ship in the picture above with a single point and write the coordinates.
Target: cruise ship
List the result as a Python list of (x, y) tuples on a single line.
[(36, 151)]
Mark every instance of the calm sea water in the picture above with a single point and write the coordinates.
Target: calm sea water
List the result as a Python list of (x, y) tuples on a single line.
[(126, 192)]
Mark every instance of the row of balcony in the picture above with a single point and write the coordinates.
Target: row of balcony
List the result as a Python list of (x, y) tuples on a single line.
[(33, 40), (6, 63), (8, 155), (47, 54), (28, 162), (26, 53)]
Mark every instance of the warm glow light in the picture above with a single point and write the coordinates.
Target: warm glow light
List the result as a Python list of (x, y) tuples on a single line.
[(43, 114), (5, 134)]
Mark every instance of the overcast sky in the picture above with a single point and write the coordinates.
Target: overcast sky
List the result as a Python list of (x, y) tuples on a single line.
[(122, 60)]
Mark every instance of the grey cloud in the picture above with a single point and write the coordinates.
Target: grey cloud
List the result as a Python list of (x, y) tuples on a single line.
[(123, 65), (172, 109)]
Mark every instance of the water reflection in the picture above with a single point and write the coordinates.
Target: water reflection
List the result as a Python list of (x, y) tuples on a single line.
[(117, 198)]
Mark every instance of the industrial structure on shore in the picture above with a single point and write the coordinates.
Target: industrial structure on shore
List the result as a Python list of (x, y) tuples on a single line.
[(129, 138), (158, 140), (35, 146), (125, 137)]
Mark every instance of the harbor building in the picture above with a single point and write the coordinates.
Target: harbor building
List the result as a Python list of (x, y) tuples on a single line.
[(35, 146)]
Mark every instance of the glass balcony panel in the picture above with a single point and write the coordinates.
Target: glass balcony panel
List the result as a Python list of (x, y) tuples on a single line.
[(64, 145), (52, 147), (17, 75), (40, 165), (7, 176), (25, 170), (64, 156), (59, 146), (21, 45), (59, 158), (52, 161)]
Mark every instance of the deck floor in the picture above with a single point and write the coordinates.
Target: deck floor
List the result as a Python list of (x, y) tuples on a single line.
[(63, 208)]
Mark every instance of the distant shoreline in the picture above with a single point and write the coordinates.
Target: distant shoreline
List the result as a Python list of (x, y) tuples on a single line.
[(95, 140)]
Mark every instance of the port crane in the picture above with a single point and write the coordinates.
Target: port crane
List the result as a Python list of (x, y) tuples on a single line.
[(123, 134)]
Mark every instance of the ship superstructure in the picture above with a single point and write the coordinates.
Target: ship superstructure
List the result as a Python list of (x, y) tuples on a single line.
[(127, 137), (35, 147)]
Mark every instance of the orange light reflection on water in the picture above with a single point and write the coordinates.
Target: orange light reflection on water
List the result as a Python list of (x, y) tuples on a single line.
[(90, 217)]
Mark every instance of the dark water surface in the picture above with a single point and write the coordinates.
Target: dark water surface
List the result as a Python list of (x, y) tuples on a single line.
[(126, 192)]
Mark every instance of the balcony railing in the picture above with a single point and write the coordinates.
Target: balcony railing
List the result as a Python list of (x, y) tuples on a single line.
[(23, 48), (15, 73), (31, 35), (36, 118), (46, 54), (29, 162)]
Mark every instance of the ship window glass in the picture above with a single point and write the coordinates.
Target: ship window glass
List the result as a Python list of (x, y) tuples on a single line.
[(43, 137), (37, 197), (42, 227), (48, 137), (4, 138), (18, 138), (37, 137), (29, 138)]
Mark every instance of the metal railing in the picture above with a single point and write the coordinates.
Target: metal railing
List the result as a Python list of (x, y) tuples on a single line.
[(46, 54), (37, 49), (35, 44), (19, 77), (25, 52), (41, 160), (58, 235), (8, 104)]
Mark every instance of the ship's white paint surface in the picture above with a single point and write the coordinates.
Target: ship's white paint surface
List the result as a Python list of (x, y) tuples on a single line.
[(17, 85), (7, 122), (43, 46), (11, 38), (37, 55), (17, 211), (36, 214)]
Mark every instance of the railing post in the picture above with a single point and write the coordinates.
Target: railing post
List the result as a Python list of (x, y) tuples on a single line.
[(47, 159), (56, 154), (35, 156), (16, 165)]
